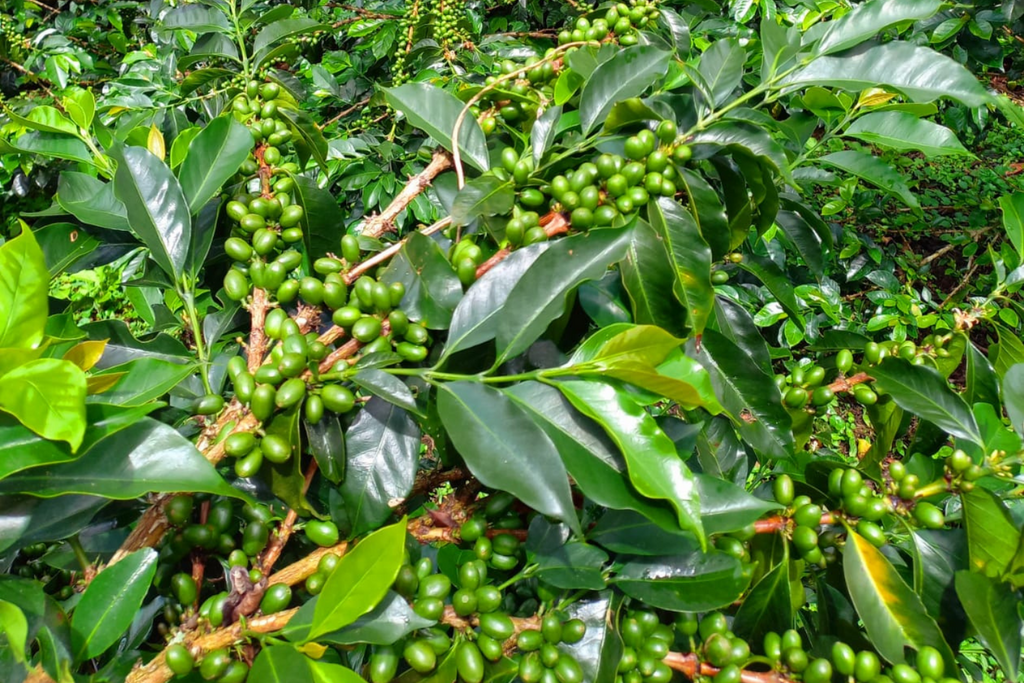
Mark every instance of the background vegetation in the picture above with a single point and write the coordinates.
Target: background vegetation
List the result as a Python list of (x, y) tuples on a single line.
[(698, 356)]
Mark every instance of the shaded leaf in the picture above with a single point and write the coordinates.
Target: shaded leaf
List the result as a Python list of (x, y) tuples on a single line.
[(647, 274), (213, 158), (48, 396), (483, 196), (91, 201), (432, 289), (768, 606), (691, 257), (692, 582)]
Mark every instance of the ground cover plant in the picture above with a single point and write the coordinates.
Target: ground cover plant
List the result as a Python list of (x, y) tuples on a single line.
[(436, 341)]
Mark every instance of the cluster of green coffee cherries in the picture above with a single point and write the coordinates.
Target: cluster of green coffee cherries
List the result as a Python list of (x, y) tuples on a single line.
[(805, 384), (816, 537), (259, 107), (216, 665), (520, 101), (623, 20), (597, 192), (33, 562), (445, 16)]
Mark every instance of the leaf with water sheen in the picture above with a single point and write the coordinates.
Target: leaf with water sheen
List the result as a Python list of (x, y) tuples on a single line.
[(869, 19), (505, 449), (213, 157), (435, 111), (654, 467), (361, 580), (627, 74), (694, 582), (110, 603)]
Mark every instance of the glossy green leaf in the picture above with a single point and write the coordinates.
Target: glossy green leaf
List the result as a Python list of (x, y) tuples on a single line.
[(143, 380), (692, 582), (157, 210), (1008, 352), (146, 457), (91, 201), (733, 321), (721, 65), (281, 664), (992, 609), (893, 614), (110, 603), (804, 239), (710, 212), (540, 295), (327, 672), (432, 289), (600, 650), (572, 566), (645, 344), (874, 171), (1013, 219), (869, 19), (1013, 392), (627, 74), (647, 273), (768, 606), (361, 580), (748, 394), (213, 158), (64, 245), (309, 141), (593, 461), (691, 257), (286, 479), (386, 386), (475, 319), (435, 111), (483, 196), (24, 283), (48, 396), (320, 210), (29, 520), (382, 446), (325, 441), (543, 133), (197, 18), (726, 507), (654, 467), (922, 391), (14, 626), (904, 132), (747, 138), (45, 119), (505, 449), (992, 535), (278, 30), (56, 145), (923, 74)]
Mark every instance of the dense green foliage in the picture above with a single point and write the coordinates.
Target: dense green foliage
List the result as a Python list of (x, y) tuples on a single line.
[(442, 341)]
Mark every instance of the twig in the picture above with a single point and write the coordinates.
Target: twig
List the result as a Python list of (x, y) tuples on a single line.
[(284, 530), (345, 112), (384, 221), (257, 348), (382, 256), (690, 666), (556, 225), (844, 384), (963, 283), (776, 523)]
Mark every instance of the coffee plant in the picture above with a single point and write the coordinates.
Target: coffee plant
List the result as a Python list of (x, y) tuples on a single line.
[(493, 341)]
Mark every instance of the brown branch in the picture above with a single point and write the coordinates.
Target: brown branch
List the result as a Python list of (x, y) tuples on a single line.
[(844, 384), (963, 283), (284, 530), (345, 112), (382, 256), (690, 666), (776, 523), (556, 224), (383, 222), (257, 348)]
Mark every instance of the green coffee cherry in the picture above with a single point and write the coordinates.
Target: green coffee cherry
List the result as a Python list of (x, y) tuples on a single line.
[(323, 533)]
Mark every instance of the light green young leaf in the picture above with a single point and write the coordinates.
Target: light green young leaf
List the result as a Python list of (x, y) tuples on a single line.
[(905, 132), (48, 396), (14, 625), (24, 283)]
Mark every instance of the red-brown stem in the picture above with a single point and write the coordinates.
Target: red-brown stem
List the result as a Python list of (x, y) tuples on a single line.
[(284, 531), (383, 222), (844, 384), (776, 523), (690, 666), (556, 224)]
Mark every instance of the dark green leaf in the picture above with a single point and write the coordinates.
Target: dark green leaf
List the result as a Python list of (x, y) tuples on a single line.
[(726, 507), (1013, 391), (647, 274), (483, 196), (630, 533), (805, 239), (748, 394), (361, 580), (28, 520), (505, 449), (591, 458), (213, 158), (156, 207), (281, 664), (475, 318), (721, 65), (144, 380), (543, 132), (270, 35), (600, 650), (197, 18), (690, 256), (110, 603), (540, 295), (767, 607), (874, 171), (693, 582), (924, 74), (733, 321), (893, 614), (91, 201), (654, 467), (64, 244), (326, 443), (387, 387), (904, 132), (1013, 219), (747, 138), (319, 218), (383, 446), (627, 74), (991, 607), (432, 289), (869, 19), (992, 535), (435, 111), (310, 141), (921, 390), (572, 566), (388, 622), (146, 457)]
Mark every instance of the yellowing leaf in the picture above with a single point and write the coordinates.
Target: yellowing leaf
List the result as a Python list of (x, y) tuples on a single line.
[(872, 97), (97, 384), (86, 354), (155, 143)]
